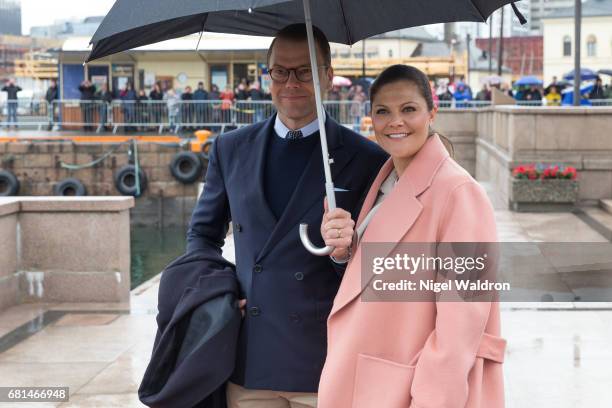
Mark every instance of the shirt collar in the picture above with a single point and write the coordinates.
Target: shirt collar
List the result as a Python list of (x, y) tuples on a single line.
[(311, 128)]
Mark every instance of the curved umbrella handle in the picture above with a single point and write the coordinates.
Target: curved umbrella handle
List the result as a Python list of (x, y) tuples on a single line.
[(327, 250)]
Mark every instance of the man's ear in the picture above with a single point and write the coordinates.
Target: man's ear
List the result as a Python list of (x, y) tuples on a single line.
[(330, 78)]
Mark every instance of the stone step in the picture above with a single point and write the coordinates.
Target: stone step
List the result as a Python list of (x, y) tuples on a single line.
[(598, 219), (606, 205)]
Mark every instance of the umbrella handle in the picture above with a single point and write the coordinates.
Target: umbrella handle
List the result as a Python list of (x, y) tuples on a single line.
[(327, 250)]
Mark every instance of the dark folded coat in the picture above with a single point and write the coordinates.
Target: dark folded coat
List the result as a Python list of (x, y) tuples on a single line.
[(198, 324)]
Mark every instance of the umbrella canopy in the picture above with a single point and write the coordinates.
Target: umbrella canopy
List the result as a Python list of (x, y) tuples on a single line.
[(134, 23), (341, 81), (528, 81), (492, 80), (605, 71), (585, 75)]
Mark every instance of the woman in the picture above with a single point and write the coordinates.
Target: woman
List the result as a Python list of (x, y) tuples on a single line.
[(413, 353)]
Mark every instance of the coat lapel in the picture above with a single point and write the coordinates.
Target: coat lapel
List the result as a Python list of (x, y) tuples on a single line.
[(395, 217), (311, 187)]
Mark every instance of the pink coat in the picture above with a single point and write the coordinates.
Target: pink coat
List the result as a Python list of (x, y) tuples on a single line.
[(417, 354)]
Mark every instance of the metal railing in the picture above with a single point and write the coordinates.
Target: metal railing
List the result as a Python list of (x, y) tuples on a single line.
[(174, 115)]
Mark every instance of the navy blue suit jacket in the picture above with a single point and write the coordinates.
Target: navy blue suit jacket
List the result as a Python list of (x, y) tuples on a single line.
[(282, 343)]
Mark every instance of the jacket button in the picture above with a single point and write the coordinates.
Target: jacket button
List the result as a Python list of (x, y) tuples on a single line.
[(257, 268), (238, 227), (255, 311), (295, 318), (299, 276)]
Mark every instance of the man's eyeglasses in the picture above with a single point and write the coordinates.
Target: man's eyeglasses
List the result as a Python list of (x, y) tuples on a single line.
[(303, 74)]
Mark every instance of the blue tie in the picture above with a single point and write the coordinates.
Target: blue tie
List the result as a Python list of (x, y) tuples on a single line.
[(294, 134)]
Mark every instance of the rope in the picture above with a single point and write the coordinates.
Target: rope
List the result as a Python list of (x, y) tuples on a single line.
[(93, 163)]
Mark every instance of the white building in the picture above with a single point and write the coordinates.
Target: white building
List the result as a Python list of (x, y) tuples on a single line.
[(596, 41), (541, 8)]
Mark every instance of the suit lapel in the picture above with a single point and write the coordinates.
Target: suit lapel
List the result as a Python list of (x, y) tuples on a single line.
[(311, 187), (255, 147)]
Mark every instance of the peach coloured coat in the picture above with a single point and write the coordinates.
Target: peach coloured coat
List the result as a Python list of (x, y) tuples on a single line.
[(417, 354)]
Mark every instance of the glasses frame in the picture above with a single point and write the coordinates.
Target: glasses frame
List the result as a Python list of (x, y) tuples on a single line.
[(294, 70)]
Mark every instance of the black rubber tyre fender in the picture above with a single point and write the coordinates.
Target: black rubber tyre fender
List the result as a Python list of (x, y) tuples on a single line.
[(9, 184), (125, 180), (186, 167), (70, 187)]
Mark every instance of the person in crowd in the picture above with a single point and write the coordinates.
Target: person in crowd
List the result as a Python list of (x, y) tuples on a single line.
[(227, 98), (553, 97), (423, 349), (241, 91), (215, 96), (356, 111), (257, 96), (12, 101), (51, 96), (105, 98), (598, 91), (484, 94), (172, 104), (142, 110), (88, 93), (128, 100), (533, 93), (462, 95), (156, 96), (187, 108), (201, 107)]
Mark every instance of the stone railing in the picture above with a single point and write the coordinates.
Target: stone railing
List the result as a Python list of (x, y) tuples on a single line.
[(56, 249)]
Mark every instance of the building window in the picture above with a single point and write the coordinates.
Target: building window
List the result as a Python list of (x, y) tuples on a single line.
[(390, 53), (591, 46), (567, 46)]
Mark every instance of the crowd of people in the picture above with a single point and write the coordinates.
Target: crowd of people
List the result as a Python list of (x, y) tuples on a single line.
[(143, 109)]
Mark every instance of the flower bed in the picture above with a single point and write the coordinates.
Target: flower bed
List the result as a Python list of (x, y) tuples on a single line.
[(543, 188)]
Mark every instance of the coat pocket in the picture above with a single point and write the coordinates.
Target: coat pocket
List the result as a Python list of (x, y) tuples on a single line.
[(382, 383)]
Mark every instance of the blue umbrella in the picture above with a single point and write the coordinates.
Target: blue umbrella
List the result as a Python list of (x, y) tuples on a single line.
[(528, 81), (585, 75), (567, 95)]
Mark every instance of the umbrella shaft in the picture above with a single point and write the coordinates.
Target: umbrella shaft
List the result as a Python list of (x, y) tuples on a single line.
[(329, 185)]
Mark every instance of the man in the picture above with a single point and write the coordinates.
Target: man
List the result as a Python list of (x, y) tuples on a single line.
[(484, 94), (267, 178), (88, 92), (598, 91), (11, 90), (106, 98), (51, 96), (187, 107), (200, 95), (257, 96)]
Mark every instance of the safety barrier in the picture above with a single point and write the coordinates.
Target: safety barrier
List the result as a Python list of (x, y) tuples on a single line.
[(175, 115)]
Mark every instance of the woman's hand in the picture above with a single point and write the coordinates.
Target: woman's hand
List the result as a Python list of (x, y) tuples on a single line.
[(337, 230)]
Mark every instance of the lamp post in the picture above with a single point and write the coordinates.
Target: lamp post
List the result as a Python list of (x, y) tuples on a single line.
[(577, 35)]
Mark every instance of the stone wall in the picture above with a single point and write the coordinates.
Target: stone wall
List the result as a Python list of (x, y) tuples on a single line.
[(509, 136), (61, 249), (37, 166)]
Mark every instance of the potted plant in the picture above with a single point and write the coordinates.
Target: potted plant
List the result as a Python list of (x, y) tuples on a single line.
[(543, 188)]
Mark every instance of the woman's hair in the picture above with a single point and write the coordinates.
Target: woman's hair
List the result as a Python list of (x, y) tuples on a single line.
[(399, 72)]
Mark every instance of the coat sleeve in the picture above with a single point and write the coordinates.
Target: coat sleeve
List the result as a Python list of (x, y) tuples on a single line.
[(441, 374), (210, 220)]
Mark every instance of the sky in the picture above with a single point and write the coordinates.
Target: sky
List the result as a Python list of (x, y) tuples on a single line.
[(45, 12)]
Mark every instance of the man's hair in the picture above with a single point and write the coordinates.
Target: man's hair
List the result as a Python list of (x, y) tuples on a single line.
[(297, 32)]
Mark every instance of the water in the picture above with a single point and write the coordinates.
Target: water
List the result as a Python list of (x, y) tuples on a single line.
[(153, 249)]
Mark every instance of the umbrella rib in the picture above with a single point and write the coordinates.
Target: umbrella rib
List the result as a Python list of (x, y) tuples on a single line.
[(484, 19), (346, 26)]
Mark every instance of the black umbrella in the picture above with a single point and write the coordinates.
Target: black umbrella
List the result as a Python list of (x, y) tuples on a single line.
[(134, 23), (605, 71)]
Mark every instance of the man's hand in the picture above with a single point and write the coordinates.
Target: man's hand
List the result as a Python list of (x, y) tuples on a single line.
[(337, 230)]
